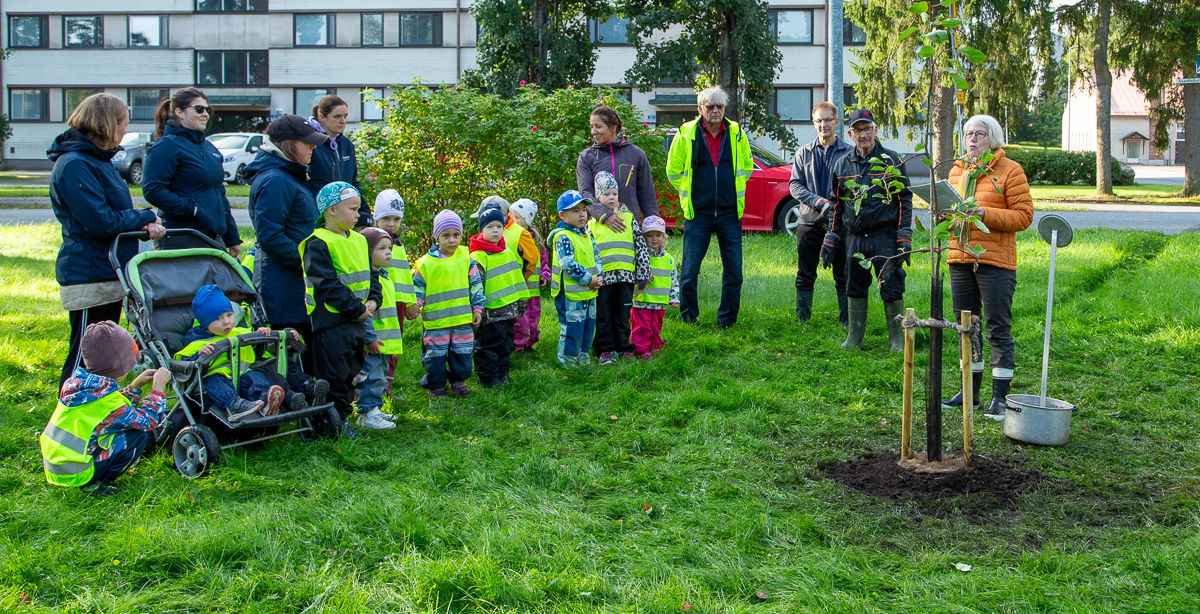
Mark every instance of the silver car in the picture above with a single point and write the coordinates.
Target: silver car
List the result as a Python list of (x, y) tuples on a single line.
[(237, 150)]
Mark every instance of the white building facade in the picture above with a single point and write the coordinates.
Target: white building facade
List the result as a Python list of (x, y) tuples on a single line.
[(258, 58)]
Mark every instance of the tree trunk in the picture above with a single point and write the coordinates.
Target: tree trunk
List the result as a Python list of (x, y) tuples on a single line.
[(945, 114), (1103, 101), (541, 51), (727, 66), (1191, 144)]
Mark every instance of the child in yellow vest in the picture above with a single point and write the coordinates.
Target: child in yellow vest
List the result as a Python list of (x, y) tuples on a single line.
[(449, 290), (341, 291), (575, 277), (650, 302), (626, 263), (383, 337), (389, 216), (505, 289), (532, 250)]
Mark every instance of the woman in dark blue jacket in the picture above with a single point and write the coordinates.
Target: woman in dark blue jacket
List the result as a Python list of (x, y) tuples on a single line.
[(184, 177), (335, 159), (284, 213), (93, 205)]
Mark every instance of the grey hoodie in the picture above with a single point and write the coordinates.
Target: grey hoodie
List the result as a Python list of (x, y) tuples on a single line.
[(628, 163)]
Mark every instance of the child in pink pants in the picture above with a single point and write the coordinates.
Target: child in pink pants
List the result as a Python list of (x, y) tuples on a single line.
[(526, 331), (650, 302)]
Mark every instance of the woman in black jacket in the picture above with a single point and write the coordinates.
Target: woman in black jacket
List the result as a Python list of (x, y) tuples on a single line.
[(335, 160), (93, 205), (184, 177)]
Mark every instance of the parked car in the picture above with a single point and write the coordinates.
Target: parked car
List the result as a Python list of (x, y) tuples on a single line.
[(130, 161), (237, 150)]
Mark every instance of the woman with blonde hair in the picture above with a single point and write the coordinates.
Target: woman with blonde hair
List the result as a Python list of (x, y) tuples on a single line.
[(93, 205)]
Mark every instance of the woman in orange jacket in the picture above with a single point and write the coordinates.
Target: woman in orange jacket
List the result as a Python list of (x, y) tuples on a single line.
[(1003, 202)]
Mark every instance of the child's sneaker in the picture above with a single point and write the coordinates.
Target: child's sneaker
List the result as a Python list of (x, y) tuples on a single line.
[(437, 393), (374, 420), (296, 401), (460, 389), (274, 400), (242, 408), (320, 390), (607, 358)]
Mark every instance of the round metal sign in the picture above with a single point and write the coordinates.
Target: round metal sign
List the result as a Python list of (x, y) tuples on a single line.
[(1051, 222)]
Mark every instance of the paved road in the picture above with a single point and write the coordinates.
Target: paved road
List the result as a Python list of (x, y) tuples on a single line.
[(1161, 175), (1168, 220)]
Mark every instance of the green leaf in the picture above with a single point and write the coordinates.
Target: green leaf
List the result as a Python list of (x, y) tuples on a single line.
[(951, 22), (927, 161), (949, 2), (959, 81), (896, 185), (919, 224), (972, 54), (920, 147), (937, 37), (941, 228), (925, 51), (980, 225), (907, 33), (918, 7)]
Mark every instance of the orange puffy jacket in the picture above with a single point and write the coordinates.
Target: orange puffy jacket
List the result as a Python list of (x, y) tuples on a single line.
[(1005, 212)]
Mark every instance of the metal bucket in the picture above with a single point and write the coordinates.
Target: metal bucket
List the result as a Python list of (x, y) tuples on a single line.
[(1030, 420)]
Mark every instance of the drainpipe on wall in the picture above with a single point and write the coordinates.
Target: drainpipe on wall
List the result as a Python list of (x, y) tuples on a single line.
[(835, 54), (458, 40)]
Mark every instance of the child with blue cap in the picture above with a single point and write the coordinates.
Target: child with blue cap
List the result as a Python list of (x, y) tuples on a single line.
[(575, 277)]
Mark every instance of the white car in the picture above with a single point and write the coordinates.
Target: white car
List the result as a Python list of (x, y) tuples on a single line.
[(237, 150)]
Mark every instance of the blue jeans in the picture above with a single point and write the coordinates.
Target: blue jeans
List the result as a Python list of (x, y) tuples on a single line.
[(697, 235), (254, 384), (373, 384), (121, 460), (576, 329)]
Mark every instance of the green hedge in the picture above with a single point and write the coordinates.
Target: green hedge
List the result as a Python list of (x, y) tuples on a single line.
[(1052, 166)]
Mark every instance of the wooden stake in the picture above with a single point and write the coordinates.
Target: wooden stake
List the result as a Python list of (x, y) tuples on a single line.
[(910, 335), (968, 394)]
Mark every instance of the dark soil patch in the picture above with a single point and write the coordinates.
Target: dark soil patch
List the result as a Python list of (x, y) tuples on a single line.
[(990, 484)]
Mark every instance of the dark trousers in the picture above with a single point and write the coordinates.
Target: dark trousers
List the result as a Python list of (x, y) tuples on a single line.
[(808, 258), (697, 235), (338, 357), (613, 303), (254, 384), (493, 349), (80, 318), (891, 276), (121, 460), (990, 288)]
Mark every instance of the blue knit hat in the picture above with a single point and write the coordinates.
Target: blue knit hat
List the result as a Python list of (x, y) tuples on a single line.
[(569, 199), (209, 304), (489, 214), (332, 194)]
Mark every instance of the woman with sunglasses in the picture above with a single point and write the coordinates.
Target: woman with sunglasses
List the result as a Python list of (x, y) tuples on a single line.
[(184, 177)]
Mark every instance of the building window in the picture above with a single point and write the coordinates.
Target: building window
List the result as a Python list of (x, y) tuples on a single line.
[(792, 104), (852, 34), (849, 98), (420, 29), (610, 31), (83, 31), (147, 30), (29, 105), (27, 31), (231, 6), (144, 101), (1135, 150), (372, 29), (232, 68), (72, 98), (314, 30), (371, 112), (792, 27), (307, 99)]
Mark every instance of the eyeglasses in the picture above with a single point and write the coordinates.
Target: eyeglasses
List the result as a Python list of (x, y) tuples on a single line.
[(978, 134), (713, 107), (201, 109)]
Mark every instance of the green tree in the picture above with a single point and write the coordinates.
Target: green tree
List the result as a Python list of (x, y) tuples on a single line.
[(1158, 41), (729, 43), (1088, 23), (536, 41)]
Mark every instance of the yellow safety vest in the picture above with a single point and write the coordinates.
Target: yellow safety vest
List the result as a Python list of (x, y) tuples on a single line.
[(447, 289), (64, 441), (679, 165), (351, 260), (659, 289), (220, 365), (401, 275), (560, 280), (502, 281), (387, 317), (616, 248), (512, 241)]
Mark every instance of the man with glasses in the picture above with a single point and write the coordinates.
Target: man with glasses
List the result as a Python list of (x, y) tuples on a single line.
[(709, 164), (878, 228), (811, 184)]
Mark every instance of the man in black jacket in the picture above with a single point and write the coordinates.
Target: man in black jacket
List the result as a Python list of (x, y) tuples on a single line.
[(879, 228)]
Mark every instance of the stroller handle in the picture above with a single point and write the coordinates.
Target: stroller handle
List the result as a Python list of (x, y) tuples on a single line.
[(141, 235)]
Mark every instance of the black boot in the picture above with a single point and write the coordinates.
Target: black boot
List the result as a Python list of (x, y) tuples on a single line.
[(843, 316), (996, 410), (858, 324), (803, 306), (956, 400)]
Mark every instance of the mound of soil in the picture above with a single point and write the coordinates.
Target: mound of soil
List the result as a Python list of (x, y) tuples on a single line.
[(989, 484)]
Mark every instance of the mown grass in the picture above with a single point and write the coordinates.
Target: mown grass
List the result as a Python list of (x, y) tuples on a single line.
[(639, 487), (13, 191), (1139, 193)]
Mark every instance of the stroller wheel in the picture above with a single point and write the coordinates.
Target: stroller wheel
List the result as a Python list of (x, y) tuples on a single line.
[(329, 425), (195, 450)]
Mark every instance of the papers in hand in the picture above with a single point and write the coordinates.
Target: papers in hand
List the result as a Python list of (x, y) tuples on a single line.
[(947, 196)]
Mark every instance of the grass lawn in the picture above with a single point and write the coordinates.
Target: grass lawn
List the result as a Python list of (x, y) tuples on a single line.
[(136, 190), (1139, 192), (649, 486)]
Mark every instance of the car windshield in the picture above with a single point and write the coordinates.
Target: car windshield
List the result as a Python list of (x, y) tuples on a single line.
[(132, 139), (228, 141), (767, 158)]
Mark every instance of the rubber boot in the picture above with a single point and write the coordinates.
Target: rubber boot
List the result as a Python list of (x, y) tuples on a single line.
[(895, 309), (803, 306), (843, 317), (996, 409), (857, 323), (956, 400)]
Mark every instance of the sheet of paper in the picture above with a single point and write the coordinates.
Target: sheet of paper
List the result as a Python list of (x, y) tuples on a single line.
[(946, 194)]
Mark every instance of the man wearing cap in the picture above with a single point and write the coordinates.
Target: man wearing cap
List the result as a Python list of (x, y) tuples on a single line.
[(709, 164), (283, 210), (811, 184), (878, 228)]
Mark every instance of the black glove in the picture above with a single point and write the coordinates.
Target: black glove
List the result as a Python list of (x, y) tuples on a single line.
[(904, 246), (831, 242)]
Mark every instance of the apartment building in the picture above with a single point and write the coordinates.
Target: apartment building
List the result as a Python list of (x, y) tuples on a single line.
[(257, 59)]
